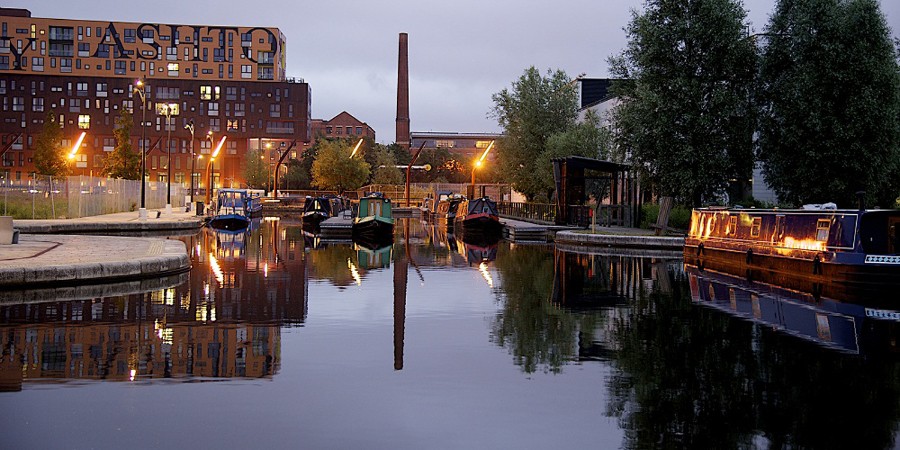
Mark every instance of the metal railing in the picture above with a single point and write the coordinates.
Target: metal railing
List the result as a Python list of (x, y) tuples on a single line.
[(46, 197)]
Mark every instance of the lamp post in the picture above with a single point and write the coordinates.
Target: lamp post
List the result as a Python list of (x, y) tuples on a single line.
[(478, 163), (141, 89), (168, 110), (212, 157), (190, 127)]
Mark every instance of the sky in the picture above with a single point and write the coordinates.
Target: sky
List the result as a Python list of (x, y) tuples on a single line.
[(460, 51)]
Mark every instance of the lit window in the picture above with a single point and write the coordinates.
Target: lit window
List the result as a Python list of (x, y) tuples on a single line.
[(732, 226), (173, 69), (755, 227), (205, 92), (822, 226), (84, 121)]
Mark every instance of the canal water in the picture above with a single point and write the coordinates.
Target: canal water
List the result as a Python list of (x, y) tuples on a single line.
[(276, 339)]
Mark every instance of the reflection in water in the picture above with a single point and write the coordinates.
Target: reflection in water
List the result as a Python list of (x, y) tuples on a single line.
[(693, 377), (222, 320), (549, 314)]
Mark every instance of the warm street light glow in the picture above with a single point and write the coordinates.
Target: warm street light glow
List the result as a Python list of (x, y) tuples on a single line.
[(355, 148), (484, 155), (212, 157), (77, 145), (218, 147)]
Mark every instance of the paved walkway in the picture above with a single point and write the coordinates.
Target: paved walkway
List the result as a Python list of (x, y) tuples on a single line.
[(57, 253), (620, 237)]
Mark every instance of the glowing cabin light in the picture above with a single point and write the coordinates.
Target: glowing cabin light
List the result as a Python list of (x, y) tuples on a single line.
[(803, 244), (354, 272), (483, 268), (132, 374), (214, 265)]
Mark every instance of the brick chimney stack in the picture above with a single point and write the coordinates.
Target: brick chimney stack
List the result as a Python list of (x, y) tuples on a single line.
[(402, 137)]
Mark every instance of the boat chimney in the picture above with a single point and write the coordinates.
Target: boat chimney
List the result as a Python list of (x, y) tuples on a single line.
[(861, 200)]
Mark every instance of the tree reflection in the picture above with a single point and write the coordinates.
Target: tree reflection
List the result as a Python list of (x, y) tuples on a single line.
[(537, 333), (691, 377), (330, 263)]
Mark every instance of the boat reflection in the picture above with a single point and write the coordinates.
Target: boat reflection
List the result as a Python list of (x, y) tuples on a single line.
[(854, 327)]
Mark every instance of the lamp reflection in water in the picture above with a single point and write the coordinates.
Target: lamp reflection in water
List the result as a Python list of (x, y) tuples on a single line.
[(483, 268), (354, 272)]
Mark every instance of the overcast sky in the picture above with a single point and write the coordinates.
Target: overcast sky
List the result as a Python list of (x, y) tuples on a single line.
[(460, 52)]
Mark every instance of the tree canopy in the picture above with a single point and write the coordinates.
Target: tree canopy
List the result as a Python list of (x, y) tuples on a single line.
[(386, 171), (49, 154), (123, 161), (535, 108), (333, 168), (830, 93), (686, 118), (256, 169)]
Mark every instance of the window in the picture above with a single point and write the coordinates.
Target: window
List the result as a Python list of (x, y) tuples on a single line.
[(274, 110), (205, 92), (102, 51), (232, 125), (172, 53), (755, 227), (213, 109), (18, 104), (246, 71), (173, 69), (327, 130), (218, 54), (822, 226), (358, 130), (121, 67), (266, 73), (84, 121), (231, 93), (37, 64), (37, 104), (81, 89), (239, 109), (444, 143)]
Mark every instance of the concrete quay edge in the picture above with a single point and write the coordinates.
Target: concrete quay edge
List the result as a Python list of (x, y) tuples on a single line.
[(615, 240), (44, 261)]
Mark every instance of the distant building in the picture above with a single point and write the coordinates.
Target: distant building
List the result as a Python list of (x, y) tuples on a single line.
[(343, 125), (228, 80), (466, 146), (594, 95)]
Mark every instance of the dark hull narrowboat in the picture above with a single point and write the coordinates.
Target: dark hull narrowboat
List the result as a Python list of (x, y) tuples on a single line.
[(317, 209), (836, 253), (374, 222), (478, 216)]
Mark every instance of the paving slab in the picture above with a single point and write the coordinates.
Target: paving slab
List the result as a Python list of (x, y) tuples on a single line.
[(117, 223)]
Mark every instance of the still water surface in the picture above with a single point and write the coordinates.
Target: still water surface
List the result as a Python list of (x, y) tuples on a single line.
[(277, 340)]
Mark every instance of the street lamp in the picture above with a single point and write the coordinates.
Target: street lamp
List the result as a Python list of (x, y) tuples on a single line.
[(212, 157), (168, 110), (77, 144), (140, 88), (478, 163), (190, 127)]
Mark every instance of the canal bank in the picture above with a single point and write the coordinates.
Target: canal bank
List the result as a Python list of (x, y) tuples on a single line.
[(631, 238), (62, 252)]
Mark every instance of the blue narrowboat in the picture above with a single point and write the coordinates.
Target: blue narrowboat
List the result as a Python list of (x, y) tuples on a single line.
[(842, 250), (234, 208)]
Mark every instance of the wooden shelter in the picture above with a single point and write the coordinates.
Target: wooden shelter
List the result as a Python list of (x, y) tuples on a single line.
[(617, 206)]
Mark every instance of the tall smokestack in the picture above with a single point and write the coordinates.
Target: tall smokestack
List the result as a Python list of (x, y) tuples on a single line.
[(402, 137)]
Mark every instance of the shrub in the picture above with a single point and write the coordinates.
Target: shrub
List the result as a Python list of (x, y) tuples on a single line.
[(679, 217)]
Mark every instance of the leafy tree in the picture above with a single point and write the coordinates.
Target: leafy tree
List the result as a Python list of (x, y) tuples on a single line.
[(533, 110), (49, 154), (686, 114), (334, 169), (256, 169), (830, 90), (296, 176), (123, 161), (386, 171), (586, 139)]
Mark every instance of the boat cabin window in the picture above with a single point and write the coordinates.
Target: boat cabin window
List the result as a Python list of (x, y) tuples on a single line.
[(755, 227), (732, 226), (822, 226)]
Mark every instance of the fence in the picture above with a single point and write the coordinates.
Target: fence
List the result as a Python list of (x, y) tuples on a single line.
[(46, 197)]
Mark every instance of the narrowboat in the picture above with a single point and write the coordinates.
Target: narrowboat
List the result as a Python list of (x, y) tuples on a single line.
[(478, 216), (445, 211), (843, 251), (317, 209), (374, 221), (234, 208)]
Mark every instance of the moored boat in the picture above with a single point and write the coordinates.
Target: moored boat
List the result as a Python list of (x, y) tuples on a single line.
[(839, 251), (317, 209), (374, 221), (234, 208), (478, 215), (446, 209)]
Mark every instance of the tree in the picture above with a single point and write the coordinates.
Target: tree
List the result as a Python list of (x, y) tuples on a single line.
[(123, 161), (830, 92), (49, 155), (686, 118), (256, 169), (333, 168), (533, 110), (386, 171), (296, 176)]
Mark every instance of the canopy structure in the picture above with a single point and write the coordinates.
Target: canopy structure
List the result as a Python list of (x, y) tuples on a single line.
[(569, 175)]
